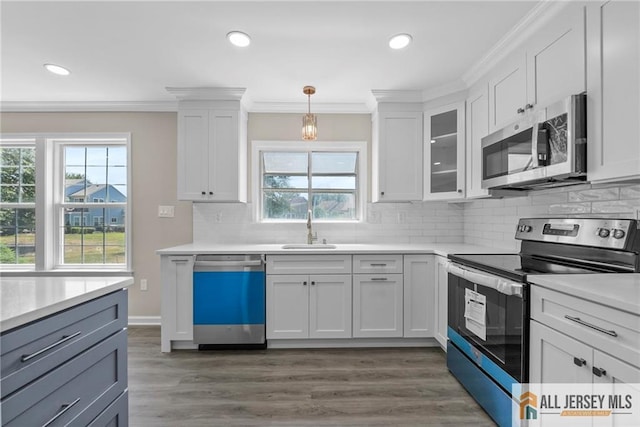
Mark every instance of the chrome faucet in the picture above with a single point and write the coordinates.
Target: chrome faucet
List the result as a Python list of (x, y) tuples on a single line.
[(311, 236)]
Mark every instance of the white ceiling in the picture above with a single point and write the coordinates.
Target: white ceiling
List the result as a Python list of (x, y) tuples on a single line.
[(123, 51)]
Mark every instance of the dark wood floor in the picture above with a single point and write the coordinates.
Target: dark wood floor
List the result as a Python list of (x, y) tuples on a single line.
[(328, 387)]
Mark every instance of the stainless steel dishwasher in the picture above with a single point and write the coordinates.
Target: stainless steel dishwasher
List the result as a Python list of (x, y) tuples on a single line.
[(229, 301)]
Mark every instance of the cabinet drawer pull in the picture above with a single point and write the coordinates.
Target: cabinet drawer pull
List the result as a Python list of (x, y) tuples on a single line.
[(64, 408), (598, 372), (579, 362), (589, 325), (378, 265), (378, 278), (64, 339)]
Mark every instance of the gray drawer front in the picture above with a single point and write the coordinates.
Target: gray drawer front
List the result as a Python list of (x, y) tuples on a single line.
[(94, 379), (116, 415), (94, 320)]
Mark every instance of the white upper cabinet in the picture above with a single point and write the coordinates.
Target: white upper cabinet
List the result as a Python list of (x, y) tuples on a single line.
[(613, 90), (556, 58), (397, 150), (545, 69), (477, 114), (444, 168), (212, 146), (508, 92)]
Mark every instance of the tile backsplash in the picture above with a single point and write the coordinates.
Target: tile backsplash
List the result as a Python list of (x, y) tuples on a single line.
[(486, 222), (492, 222)]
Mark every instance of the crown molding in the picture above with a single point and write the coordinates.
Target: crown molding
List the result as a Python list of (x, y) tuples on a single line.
[(528, 25), (382, 95), (316, 107), (207, 93), (81, 106)]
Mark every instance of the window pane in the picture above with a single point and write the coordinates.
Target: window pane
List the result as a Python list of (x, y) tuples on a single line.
[(284, 205), (334, 206), (285, 163), (95, 174), (17, 174), (334, 162), (286, 181), (94, 236), (334, 182), (17, 236)]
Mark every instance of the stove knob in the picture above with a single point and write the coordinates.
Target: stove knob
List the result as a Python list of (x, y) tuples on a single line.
[(527, 228), (618, 234), (603, 232)]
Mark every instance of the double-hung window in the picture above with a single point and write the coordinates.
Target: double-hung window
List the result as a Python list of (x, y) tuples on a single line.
[(72, 213), (325, 179)]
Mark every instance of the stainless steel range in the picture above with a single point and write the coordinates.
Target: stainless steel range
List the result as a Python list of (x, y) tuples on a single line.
[(488, 298)]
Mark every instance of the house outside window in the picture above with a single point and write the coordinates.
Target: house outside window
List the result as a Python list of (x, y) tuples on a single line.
[(81, 187), (326, 178)]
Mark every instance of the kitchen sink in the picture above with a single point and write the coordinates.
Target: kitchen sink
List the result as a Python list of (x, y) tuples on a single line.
[(308, 246)]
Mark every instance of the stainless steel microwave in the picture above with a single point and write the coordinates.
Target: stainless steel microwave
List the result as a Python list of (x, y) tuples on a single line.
[(545, 149)]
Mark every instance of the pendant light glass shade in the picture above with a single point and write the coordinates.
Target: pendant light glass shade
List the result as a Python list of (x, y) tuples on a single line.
[(309, 121)]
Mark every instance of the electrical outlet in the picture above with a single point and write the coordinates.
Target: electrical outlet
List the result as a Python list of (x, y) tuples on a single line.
[(166, 211), (402, 217), (218, 217), (143, 285)]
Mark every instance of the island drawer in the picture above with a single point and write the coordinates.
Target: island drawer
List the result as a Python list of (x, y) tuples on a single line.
[(377, 264), (309, 264), (30, 351), (76, 392)]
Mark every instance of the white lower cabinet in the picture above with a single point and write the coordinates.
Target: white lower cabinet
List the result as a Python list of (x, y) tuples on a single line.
[(377, 305), (574, 340), (177, 299), (441, 301), (418, 296), (308, 306)]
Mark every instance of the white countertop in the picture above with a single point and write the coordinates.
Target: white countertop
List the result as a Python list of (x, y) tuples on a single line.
[(620, 291), (25, 299), (442, 249)]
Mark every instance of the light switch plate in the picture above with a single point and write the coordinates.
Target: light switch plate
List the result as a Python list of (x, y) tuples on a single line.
[(166, 211)]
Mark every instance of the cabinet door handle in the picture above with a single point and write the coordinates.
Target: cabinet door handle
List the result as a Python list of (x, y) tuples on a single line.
[(64, 339), (382, 193), (304, 283), (589, 325), (211, 193), (598, 372), (528, 106), (378, 279), (313, 283), (64, 408), (204, 193), (520, 110), (579, 362)]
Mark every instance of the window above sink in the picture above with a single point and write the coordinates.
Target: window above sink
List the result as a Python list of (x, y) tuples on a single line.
[(290, 178)]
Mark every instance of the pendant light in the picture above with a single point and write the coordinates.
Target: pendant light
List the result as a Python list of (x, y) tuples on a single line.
[(309, 122)]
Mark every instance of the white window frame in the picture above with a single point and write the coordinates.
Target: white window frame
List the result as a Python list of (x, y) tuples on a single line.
[(258, 147), (50, 188)]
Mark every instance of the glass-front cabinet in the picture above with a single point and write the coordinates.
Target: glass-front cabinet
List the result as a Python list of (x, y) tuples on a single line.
[(444, 152)]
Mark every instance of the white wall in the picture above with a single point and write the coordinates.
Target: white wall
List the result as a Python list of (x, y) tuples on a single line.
[(492, 222)]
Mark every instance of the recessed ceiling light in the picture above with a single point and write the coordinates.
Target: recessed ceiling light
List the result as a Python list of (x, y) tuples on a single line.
[(238, 38), (57, 69), (399, 41)]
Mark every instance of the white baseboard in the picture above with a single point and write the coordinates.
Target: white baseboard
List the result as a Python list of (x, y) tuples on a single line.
[(144, 320)]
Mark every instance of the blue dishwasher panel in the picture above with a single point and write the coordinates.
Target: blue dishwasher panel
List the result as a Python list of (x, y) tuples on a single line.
[(228, 298)]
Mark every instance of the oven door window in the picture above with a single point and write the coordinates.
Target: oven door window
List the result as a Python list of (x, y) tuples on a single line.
[(500, 338)]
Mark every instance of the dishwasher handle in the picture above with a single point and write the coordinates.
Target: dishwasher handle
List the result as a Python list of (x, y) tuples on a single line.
[(227, 264)]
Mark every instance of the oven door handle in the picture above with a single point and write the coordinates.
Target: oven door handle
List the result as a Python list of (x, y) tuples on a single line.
[(481, 278)]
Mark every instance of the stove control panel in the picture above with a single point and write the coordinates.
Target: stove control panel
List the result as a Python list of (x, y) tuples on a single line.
[(620, 234)]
